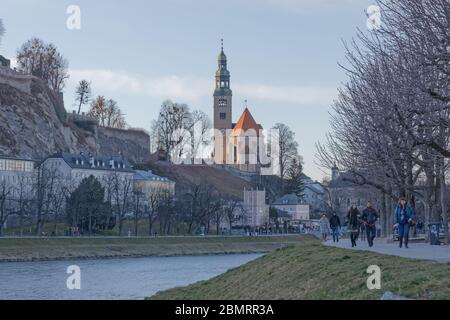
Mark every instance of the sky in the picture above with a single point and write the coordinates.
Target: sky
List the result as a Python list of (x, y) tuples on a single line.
[(282, 54)]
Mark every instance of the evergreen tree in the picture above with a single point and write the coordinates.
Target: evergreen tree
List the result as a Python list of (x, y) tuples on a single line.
[(86, 208), (294, 173)]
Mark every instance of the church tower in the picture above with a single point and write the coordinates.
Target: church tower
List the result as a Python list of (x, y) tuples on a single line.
[(222, 107)]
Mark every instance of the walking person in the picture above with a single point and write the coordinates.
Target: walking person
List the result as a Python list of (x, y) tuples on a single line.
[(335, 225), (362, 232), (403, 216), (323, 224), (353, 216), (369, 218)]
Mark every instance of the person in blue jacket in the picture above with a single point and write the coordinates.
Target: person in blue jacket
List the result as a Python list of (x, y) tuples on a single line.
[(403, 219)]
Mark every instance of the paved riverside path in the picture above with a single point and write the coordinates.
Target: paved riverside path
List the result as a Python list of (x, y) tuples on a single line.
[(423, 251)]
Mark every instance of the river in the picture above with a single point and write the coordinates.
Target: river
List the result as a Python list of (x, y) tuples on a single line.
[(111, 279)]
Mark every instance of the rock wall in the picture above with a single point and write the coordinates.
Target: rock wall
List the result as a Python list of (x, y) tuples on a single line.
[(133, 144), (34, 124)]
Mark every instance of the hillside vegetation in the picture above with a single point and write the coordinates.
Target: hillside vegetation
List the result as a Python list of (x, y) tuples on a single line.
[(34, 124), (226, 183)]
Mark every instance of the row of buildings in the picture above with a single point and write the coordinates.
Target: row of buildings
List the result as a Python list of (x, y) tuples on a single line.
[(18, 176), (336, 195)]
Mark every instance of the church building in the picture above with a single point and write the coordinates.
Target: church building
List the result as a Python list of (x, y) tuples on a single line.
[(235, 144)]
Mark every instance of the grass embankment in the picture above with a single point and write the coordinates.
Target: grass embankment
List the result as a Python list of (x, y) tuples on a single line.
[(313, 271), (31, 249)]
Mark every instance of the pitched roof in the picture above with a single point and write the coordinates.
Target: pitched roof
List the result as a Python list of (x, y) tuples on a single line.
[(315, 187), (287, 199), (94, 162), (245, 123)]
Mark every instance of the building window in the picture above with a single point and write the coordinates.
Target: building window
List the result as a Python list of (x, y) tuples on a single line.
[(223, 116), (16, 165), (222, 102)]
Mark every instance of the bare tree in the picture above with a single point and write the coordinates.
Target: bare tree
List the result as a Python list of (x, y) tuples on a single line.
[(121, 197), (138, 203), (22, 201), (44, 61), (107, 113), (6, 191), (58, 200), (287, 148), (231, 209), (45, 188), (390, 127), (151, 207), (167, 212), (198, 125), (171, 126)]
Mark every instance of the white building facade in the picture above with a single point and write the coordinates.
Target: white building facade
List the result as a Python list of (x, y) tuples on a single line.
[(291, 205)]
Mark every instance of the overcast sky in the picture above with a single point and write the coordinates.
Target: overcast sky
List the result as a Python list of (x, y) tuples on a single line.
[(282, 54)]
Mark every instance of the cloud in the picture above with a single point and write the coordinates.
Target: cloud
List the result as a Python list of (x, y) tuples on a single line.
[(192, 89), (189, 89)]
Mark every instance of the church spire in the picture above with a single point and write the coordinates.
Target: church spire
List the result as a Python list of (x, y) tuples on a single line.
[(222, 74)]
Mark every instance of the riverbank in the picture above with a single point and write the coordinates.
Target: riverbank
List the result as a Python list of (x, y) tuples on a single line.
[(310, 270), (44, 249)]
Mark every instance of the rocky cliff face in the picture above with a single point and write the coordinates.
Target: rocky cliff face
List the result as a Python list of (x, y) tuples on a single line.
[(33, 124), (133, 144)]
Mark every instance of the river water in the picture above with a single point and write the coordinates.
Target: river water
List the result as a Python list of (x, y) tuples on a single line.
[(121, 278)]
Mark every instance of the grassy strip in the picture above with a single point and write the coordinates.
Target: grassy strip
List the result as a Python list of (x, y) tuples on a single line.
[(314, 271), (31, 249)]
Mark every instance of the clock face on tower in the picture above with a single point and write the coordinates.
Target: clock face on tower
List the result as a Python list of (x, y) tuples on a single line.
[(223, 102)]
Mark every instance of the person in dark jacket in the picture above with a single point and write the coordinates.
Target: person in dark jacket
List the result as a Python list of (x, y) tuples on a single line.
[(353, 223), (362, 231), (403, 218), (335, 225), (369, 218)]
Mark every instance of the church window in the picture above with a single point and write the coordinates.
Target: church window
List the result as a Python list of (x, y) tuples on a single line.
[(223, 116), (222, 102)]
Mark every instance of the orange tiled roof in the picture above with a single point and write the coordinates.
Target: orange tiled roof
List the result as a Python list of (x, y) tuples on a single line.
[(245, 122)]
